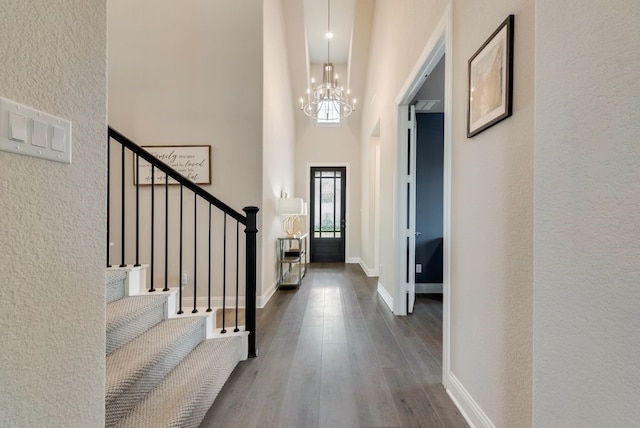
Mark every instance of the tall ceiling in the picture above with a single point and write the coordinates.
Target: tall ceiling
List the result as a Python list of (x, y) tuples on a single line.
[(306, 26), (351, 24), (341, 25)]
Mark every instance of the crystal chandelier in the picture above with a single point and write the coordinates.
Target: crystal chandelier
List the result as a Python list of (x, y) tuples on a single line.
[(328, 102)]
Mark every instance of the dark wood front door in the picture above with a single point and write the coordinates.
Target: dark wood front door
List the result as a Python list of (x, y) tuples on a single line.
[(328, 208)]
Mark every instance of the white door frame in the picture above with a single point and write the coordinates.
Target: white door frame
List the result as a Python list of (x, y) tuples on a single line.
[(347, 223), (441, 41)]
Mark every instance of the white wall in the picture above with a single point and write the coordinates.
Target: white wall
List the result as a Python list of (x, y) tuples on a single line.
[(191, 73), (492, 226), (587, 214), (52, 229), (199, 83), (369, 227), (400, 31), (278, 137), (331, 146), (492, 199)]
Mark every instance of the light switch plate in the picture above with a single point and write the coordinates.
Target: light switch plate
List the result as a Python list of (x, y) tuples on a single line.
[(39, 136), (27, 131), (17, 127)]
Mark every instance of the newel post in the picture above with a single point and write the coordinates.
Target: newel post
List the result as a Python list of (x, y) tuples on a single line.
[(251, 261)]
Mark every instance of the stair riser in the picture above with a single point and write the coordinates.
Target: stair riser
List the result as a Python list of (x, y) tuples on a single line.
[(119, 406), (133, 387), (119, 336), (213, 387), (135, 285), (115, 285), (198, 380)]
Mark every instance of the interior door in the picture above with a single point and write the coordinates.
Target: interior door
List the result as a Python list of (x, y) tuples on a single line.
[(328, 209), (411, 211)]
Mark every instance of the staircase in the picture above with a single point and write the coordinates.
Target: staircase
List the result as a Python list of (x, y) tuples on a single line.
[(160, 371)]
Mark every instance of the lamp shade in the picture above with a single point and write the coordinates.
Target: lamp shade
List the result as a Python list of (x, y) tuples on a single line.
[(290, 206)]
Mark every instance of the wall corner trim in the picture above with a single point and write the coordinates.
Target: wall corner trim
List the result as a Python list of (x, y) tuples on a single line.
[(367, 270), (385, 296), (470, 410)]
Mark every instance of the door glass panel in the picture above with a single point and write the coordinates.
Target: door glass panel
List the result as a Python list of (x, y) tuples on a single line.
[(327, 190)]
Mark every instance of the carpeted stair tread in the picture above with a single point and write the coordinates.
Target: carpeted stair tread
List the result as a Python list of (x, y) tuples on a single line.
[(130, 317), (138, 366), (114, 282), (183, 397)]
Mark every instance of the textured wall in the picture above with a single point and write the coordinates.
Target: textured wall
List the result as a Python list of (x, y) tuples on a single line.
[(53, 219), (587, 214)]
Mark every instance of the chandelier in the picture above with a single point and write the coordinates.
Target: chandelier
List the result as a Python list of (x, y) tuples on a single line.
[(328, 102)]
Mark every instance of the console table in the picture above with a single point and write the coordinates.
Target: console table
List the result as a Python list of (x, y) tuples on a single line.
[(292, 260)]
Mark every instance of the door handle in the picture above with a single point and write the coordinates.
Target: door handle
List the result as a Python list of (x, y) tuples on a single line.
[(418, 233)]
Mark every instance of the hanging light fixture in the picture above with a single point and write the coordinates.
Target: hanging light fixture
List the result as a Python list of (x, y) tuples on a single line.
[(328, 102)]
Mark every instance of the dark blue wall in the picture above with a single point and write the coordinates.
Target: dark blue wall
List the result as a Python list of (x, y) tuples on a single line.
[(429, 190)]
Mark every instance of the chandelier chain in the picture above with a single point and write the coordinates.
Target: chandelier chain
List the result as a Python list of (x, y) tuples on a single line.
[(328, 102)]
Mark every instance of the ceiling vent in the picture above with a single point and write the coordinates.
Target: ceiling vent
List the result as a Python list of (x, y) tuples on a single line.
[(426, 105)]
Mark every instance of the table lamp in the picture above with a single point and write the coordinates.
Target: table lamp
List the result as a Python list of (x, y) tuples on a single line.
[(291, 209)]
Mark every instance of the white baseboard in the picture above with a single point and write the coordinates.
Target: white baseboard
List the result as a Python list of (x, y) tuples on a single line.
[(267, 295), (216, 301), (385, 296), (367, 270), (353, 260), (468, 407), (424, 288)]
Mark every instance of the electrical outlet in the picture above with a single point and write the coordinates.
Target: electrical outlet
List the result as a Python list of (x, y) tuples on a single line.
[(418, 268), (185, 279)]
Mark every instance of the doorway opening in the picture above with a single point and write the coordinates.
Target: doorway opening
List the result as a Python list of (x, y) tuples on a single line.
[(429, 182), (438, 45)]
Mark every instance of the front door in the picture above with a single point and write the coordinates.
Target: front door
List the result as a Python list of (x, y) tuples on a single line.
[(328, 208)]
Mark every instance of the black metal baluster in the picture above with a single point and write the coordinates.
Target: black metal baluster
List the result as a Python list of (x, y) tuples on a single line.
[(108, 198), (195, 253), (153, 210), (138, 211), (166, 233), (122, 264), (180, 311), (209, 258), (224, 275), (237, 271)]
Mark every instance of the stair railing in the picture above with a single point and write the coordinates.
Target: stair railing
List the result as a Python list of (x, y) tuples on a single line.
[(128, 221)]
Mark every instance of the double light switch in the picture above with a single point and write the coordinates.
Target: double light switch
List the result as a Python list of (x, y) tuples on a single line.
[(31, 132)]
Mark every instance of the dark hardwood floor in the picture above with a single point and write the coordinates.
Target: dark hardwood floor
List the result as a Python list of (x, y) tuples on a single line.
[(332, 354)]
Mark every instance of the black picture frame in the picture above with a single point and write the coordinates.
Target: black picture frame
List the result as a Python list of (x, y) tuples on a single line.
[(490, 90)]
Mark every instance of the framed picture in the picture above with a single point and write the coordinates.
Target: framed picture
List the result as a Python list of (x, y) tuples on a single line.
[(193, 162), (491, 80)]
